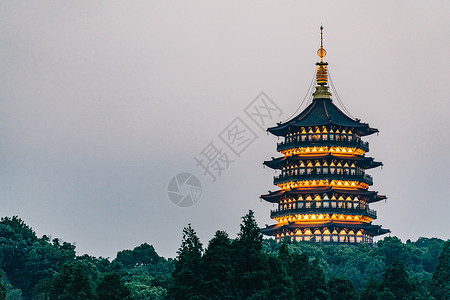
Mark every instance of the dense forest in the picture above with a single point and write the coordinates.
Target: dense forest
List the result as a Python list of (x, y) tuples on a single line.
[(248, 267)]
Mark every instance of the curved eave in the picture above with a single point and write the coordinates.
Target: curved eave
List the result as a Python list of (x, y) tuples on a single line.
[(375, 230), (377, 198), (274, 197), (321, 112), (283, 128), (278, 163)]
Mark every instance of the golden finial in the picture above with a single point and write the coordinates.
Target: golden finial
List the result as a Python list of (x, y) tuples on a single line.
[(321, 52), (322, 73)]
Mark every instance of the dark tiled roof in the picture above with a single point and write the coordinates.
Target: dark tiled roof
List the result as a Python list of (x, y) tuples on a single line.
[(277, 163), (321, 112), (274, 197), (374, 229)]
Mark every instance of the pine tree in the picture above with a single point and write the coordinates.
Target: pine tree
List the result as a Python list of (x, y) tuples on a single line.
[(217, 268), (186, 277), (251, 269)]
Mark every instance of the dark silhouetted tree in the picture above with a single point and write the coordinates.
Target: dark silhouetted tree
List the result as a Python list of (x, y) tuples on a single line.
[(144, 254), (441, 277), (307, 277), (2, 287), (396, 280), (111, 288), (217, 268), (371, 290), (341, 288), (73, 282), (186, 277), (251, 269)]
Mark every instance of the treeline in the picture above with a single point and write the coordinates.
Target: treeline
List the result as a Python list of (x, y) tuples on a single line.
[(247, 267), (44, 268), (251, 268)]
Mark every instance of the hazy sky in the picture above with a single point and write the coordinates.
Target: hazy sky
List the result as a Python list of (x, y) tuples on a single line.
[(103, 102)]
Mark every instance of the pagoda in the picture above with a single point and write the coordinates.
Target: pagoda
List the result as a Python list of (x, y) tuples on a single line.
[(324, 191)]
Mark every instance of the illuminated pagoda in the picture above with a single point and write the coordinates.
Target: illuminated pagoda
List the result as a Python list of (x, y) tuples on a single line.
[(323, 195)]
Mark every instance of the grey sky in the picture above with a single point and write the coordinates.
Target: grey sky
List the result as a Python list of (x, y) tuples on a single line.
[(103, 102)]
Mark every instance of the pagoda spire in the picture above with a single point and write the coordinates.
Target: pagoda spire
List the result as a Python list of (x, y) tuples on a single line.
[(322, 72)]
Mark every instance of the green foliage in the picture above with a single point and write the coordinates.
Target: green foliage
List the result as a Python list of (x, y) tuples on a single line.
[(307, 276), (245, 268), (145, 273), (142, 255), (441, 277), (341, 288), (2, 287), (250, 265), (186, 277), (396, 280), (111, 288), (73, 282), (27, 259), (217, 268), (371, 290)]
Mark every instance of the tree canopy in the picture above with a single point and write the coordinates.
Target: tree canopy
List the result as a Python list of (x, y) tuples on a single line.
[(247, 267)]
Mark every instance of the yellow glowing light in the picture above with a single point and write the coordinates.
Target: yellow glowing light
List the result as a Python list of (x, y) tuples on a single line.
[(345, 184)]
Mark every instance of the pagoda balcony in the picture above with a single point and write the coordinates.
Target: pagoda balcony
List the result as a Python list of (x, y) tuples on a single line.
[(356, 177), (318, 143), (371, 213)]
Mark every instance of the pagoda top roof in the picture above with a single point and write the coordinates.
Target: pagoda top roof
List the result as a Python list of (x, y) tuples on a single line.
[(276, 163), (321, 112), (273, 197)]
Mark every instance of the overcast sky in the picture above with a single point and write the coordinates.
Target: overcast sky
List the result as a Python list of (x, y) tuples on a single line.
[(103, 102)]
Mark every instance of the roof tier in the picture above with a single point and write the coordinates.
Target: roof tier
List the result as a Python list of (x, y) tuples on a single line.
[(275, 197), (362, 161), (321, 112), (331, 225)]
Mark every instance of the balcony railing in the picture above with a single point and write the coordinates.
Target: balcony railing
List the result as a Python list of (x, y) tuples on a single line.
[(330, 176), (311, 143), (324, 210)]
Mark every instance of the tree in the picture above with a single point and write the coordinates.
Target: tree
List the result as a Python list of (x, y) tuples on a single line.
[(186, 277), (307, 277), (144, 254), (371, 290), (2, 287), (441, 277), (217, 268), (396, 280), (251, 269), (27, 259), (341, 288), (73, 282), (111, 288), (279, 282)]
